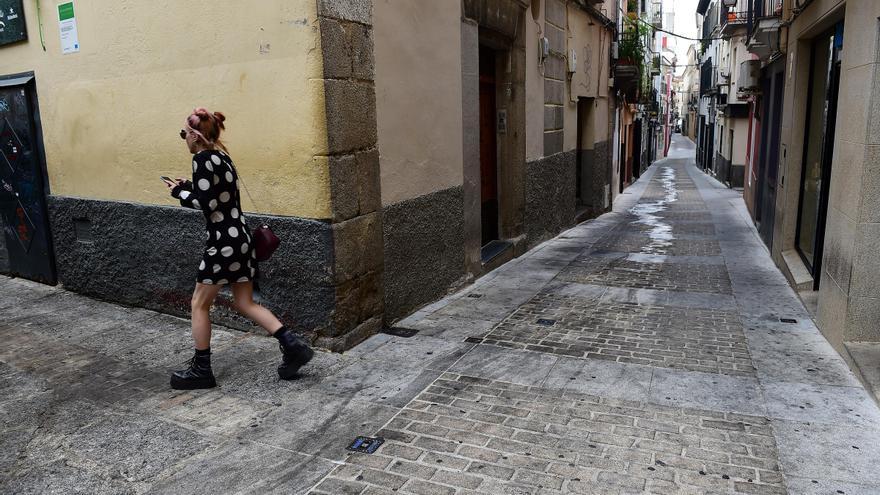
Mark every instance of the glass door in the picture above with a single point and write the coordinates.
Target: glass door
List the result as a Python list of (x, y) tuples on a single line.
[(819, 147)]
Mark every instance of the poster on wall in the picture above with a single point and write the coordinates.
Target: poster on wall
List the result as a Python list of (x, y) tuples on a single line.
[(67, 28), (12, 25)]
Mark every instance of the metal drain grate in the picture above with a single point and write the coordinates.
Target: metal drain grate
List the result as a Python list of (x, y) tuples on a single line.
[(788, 320), (367, 445), (546, 322)]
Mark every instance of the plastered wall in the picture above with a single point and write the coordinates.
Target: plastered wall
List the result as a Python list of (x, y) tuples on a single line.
[(418, 96), (111, 113)]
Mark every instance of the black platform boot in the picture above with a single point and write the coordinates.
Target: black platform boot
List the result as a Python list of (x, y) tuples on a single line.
[(198, 375), (295, 353)]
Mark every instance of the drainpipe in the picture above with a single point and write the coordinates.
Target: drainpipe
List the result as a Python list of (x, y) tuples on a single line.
[(668, 104)]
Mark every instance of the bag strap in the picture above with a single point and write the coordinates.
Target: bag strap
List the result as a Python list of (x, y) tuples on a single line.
[(241, 181)]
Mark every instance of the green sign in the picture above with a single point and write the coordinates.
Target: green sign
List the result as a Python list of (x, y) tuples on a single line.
[(12, 25), (65, 11)]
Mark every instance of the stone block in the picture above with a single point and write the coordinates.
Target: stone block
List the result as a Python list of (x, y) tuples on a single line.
[(347, 49), (556, 37), (866, 262), (368, 182), (870, 183), (837, 258), (555, 67), (347, 340), (357, 300), (344, 187), (357, 245), (554, 12), (552, 142), (351, 115), (554, 92), (354, 184), (846, 175), (553, 117), (862, 317), (347, 10)]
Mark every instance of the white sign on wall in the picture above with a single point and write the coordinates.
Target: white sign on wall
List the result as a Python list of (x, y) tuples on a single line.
[(67, 28)]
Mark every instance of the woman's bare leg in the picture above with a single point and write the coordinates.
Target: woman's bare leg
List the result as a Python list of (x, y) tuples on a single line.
[(243, 295), (203, 298)]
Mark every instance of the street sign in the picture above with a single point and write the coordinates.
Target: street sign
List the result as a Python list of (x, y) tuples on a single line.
[(12, 25)]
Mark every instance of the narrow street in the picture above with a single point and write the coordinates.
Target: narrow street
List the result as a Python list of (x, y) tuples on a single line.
[(656, 349)]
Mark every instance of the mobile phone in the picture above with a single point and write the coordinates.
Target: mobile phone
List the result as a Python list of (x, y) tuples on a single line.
[(169, 179)]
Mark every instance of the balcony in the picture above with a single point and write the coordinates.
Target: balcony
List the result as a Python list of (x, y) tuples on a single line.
[(763, 27), (733, 22)]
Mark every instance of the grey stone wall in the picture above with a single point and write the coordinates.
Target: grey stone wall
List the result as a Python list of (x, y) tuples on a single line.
[(424, 250), (550, 196), (595, 178), (147, 256)]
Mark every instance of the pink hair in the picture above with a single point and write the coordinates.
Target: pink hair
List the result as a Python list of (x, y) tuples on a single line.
[(207, 126)]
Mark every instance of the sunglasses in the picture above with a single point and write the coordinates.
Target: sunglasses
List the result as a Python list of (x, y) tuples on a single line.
[(183, 134)]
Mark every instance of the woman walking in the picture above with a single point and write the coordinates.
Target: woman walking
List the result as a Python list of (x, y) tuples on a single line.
[(228, 257)]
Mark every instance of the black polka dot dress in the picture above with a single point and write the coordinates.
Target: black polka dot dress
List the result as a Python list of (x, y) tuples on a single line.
[(229, 255)]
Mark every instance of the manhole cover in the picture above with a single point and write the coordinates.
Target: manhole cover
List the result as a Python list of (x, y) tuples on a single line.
[(367, 445)]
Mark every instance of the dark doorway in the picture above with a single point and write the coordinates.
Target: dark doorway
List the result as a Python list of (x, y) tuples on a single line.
[(768, 161), (22, 183), (818, 148), (637, 148), (488, 147)]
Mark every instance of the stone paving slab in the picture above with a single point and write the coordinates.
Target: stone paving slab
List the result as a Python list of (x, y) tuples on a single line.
[(466, 434), (679, 338)]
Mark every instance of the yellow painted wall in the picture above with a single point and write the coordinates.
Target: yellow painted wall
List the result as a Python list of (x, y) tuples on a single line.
[(112, 112), (418, 96)]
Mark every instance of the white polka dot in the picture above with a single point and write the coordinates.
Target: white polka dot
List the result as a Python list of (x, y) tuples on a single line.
[(208, 281), (216, 268), (184, 195), (204, 184), (244, 248), (217, 234), (222, 281), (242, 221), (216, 179), (196, 204), (228, 176), (212, 251), (215, 159), (212, 204), (234, 211), (224, 197), (235, 267), (243, 279), (195, 166), (254, 254), (217, 217), (252, 272), (233, 232), (226, 251), (207, 235), (202, 265), (209, 166)]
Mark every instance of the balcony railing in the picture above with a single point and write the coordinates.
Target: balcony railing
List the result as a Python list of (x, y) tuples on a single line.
[(732, 20)]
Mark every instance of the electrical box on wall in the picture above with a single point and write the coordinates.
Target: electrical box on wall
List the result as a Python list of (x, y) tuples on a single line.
[(543, 48), (12, 24), (572, 61)]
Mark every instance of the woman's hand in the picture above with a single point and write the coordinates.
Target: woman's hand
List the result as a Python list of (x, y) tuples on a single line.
[(174, 183)]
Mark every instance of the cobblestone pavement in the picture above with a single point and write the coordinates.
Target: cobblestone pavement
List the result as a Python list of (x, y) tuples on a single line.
[(641, 352)]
